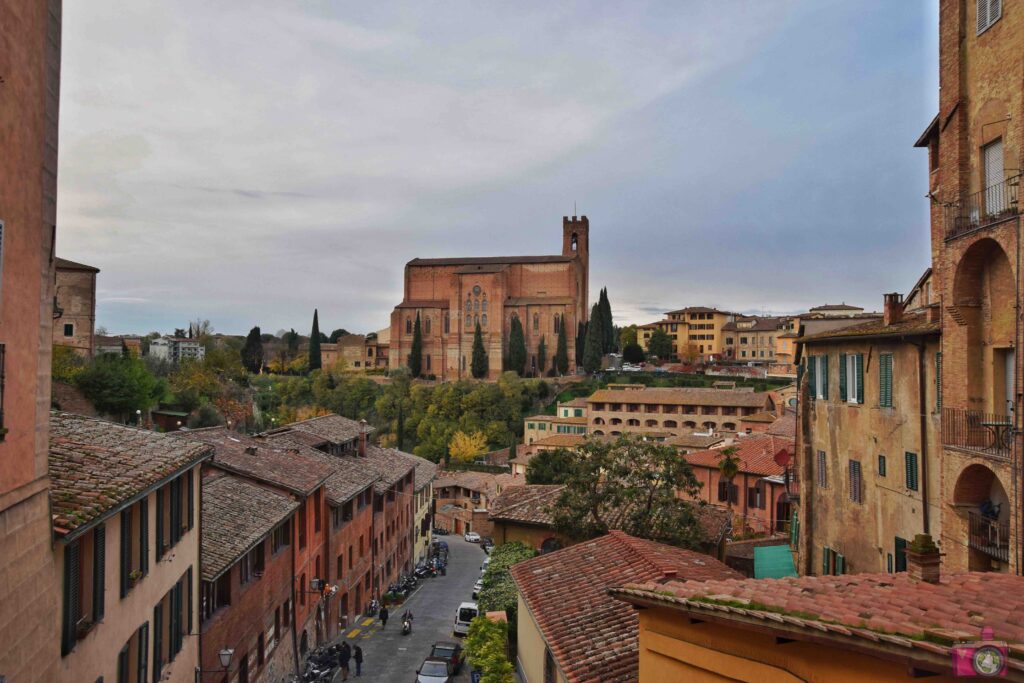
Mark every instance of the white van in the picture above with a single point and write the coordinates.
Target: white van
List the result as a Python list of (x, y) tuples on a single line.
[(467, 612)]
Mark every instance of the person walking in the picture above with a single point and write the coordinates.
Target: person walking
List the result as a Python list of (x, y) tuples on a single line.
[(357, 654), (343, 657), (383, 617)]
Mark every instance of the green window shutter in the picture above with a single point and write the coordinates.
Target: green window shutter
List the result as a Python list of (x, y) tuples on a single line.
[(885, 380), (144, 536), (826, 561), (888, 562), (842, 378), (99, 571), (911, 463), (157, 641), (901, 554), (191, 500), (159, 543), (126, 549), (143, 652), (810, 377), (840, 564), (938, 380), (824, 377), (860, 377), (72, 572)]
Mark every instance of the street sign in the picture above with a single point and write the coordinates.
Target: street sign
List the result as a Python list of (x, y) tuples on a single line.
[(476, 676)]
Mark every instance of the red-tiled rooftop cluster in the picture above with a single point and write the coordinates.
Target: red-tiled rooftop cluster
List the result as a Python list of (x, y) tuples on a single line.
[(756, 455)]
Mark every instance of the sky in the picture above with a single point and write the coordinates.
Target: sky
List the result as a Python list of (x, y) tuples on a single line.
[(247, 162)]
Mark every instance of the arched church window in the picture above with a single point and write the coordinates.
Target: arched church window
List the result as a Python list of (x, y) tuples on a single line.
[(408, 325), (476, 320), (447, 324), (469, 305), (483, 320), (574, 241), (557, 317), (428, 326), (469, 322), (536, 322), (476, 290), (476, 305), (483, 306)]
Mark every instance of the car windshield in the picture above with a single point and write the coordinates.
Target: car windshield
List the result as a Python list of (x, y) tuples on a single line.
[(434, 669), (467, 614), (444, 651)]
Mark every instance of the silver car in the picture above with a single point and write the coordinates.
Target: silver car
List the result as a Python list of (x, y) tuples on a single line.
[(434, 671)]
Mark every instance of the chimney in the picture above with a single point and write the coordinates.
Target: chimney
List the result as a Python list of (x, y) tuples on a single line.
[(362, 438), (923, 559), (893, 309), (250, 450)]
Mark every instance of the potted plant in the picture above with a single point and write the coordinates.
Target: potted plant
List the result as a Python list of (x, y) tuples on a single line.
[(134, 576), (83, 626)]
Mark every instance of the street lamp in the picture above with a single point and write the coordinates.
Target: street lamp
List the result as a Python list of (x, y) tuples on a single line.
[(138, 418), (225, 656)]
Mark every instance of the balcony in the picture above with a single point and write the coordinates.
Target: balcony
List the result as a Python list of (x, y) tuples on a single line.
[(989, 536), (985, 433), (992, 205)]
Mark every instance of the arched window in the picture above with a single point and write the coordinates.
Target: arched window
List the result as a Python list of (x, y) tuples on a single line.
[(447, 324), (469, 323), (476, 320), (476, 305), (483, 306), (483, 320), (575, 241), (730, 426), (670, 424), (556, 318), (598, 432), (408, 325), (428, 326), (599, 420), (469, 305)]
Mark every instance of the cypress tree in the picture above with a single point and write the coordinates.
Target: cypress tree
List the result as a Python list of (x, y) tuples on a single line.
[(478, 366), (516, 347), (252, 352), (608, 326), (416, 354), (581, 336), (562, 350), (542, 355), (592, 347), (315, 359)]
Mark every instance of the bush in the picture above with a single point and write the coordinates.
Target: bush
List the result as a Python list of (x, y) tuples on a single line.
[(486, 647), (498, 592), (633, 353)]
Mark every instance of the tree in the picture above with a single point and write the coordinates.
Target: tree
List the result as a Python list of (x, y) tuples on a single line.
[(487, 650), (608, 340), (478, 366), (464, 447), (542, 355), (729, 467), (561, 360), (199, 328), (498, 591), (67, 364), (592, 348), (252, 352), (632, 353), (660, 344), (635, 485), (291, 339), (416, 353), (516, 347), (119, 386), (581, 340), (179, 332), (550, 467), (315, 360), (338, 334), (627, 336)]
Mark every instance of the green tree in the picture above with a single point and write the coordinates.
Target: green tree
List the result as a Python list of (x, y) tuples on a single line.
[(498, 591), (516, 347), (660, 344), (315, 360), (561, 360), (338, 334), (608, 340), (67, 364), (291, 340), (729, 467), (416, 353), (636, 483), (550, 467), (592, 348), (542, 355), (119, 386), (627, 336), (478, 366), (632, 353), (252, 352), (486, 648)]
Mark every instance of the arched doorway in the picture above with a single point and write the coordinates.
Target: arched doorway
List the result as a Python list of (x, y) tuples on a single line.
[(304, 643), (982, 500), (549, 545)]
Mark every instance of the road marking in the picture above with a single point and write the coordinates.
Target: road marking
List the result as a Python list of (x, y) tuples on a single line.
[(353, 633), (403, 649), (367, 622)]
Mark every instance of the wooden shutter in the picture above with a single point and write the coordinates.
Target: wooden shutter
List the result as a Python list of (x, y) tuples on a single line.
[(191, 500), (99, 571), (144, 536), (122, 662), (794, 528), (901, 554), (860, 377), (885, 380), (842, 378), (811, 360), (856, 485), (175, 511), (840, 564), (911, 464), (159, 539), (143, 652), (822, 472), (72, 575), (157, 641), (191, 590), (824, 377), (126, 549), (826, 561), (983, 23)]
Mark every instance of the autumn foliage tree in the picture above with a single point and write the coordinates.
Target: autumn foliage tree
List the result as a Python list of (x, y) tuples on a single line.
[(465, 446)]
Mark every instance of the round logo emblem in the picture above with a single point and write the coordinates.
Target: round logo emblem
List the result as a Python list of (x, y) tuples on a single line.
[(987, 661)]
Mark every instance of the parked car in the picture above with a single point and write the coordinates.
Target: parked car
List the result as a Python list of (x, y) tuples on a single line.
[(449, 652), (466, 613), (472, 537), (439, 531), (487, 562), (434, 671), (477, 587)]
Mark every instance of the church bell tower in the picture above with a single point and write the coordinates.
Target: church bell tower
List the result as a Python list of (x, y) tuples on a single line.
[(576, 244)]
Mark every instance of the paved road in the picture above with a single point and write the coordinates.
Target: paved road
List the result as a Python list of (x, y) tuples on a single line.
[(390, 657)]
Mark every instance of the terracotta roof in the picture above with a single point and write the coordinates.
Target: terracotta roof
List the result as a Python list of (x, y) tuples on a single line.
[(760, 325), (912, 324), (592, 636), (562, 441), (236, 515), (64, 264), (425, 470), (578, 402), (334, 428), (260, 460), (784, 426), (861, 610), (348, 478), (694, 440), (756, 455), (555, 418), (763, 416), (837, 307), (424, 303), (484, 482), (390, 465), (698, 309), (487, 260), (285, 437), (96, 466), (682, 396)]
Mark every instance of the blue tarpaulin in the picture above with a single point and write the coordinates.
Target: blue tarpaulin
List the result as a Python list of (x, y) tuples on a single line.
[(773, 562)]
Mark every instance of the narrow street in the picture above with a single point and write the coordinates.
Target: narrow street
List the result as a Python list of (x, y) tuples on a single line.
[(390, 657)]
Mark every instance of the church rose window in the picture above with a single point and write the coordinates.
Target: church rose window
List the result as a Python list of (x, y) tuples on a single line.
[(476, 289)]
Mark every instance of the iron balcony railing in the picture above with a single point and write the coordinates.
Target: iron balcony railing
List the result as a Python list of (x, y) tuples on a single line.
[(991, 205), (990, 536), (987, 433)]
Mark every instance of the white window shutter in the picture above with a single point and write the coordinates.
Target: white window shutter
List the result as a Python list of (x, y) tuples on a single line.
[(982, 6)]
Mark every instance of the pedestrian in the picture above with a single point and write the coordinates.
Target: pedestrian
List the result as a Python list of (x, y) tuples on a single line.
[(357, 655), (383, 617), (343, 658)]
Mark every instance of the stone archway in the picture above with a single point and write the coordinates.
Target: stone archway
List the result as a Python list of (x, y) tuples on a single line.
[(550, 545), (985, 513)]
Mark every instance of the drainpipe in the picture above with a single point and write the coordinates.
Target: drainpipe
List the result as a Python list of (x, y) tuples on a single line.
[(295, 603), (923, 410)]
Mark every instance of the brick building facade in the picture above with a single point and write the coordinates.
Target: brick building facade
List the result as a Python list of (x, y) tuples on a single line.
[(452, 295)]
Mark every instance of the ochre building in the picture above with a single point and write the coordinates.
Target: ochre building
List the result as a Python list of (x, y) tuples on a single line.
[(452, 295)]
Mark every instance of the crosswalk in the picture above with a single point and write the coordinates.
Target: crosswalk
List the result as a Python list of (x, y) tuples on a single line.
[(363, 629)]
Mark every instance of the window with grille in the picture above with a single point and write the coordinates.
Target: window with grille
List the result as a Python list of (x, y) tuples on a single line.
[(856, 482), (989, 12), (822, 471)]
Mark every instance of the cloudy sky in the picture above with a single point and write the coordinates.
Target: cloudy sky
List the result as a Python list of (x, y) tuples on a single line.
[(249, 161)]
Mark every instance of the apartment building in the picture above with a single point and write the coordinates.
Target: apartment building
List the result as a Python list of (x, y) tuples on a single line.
[(177, 349), (74, 324), (114, 489), (636, 409), (696, 333), (755, 340)]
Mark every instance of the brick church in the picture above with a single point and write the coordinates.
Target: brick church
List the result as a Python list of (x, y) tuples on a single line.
[(452, 294)]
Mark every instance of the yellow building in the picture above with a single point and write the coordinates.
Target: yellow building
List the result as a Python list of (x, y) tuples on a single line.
[(696, 333)]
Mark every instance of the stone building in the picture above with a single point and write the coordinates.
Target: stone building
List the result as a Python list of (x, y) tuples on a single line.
[(75, 324), (30, 45), (696, 333), (975, 155), (452, 295)]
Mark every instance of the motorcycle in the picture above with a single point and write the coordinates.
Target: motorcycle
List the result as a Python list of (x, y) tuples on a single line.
[(374, 607), (406, 624)]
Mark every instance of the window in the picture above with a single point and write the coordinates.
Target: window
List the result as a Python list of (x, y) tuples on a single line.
[(536, 322), (881, 465), (826, 561), (938, 382), (172, 619), (727, 492), (822, 471), (851, 377), (3, 355), (340, 568), (302, 591), (251, 565), (69, 329), (408, 325), (483, 320), (428, 361), (756, 496), (483, 305), (428, 326), (132, 660), (856, 482), (281, 537), (550, 670), (175, 512), (911, 470), (817, 367), (885, 380), (84, 582), (989, 12), (134, 545), (302, 526), (286, 610), (900, 547), (447, 326), (214, 595)]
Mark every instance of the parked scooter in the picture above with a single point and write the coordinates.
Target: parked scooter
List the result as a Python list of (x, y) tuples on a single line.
[(374, 607), (407, 623)]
